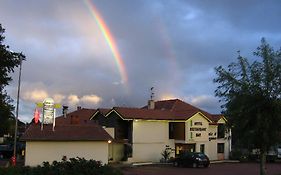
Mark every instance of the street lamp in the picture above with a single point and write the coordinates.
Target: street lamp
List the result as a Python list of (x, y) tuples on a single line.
[(20, 56)]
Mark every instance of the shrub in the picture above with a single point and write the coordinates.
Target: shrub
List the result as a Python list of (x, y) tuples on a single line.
[(166, 155), (75, 166), (240, 155)]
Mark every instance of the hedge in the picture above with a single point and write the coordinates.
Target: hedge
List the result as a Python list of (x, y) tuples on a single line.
[(74, 166)]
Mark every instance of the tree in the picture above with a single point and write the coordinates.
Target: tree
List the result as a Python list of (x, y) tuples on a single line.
[(8, 61), (252, 99)]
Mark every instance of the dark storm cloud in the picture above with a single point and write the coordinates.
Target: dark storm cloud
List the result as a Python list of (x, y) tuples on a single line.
[(250, 15), (170, 45)]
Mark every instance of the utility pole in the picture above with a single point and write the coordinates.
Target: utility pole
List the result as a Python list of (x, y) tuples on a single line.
[(17, 114)]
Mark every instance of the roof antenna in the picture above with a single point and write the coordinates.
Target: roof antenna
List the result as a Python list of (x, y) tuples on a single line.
[(238, 51), (151, 93), (151, 103)]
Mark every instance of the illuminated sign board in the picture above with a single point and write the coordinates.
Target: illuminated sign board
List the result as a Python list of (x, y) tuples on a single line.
[(48, 106), (48, 111)]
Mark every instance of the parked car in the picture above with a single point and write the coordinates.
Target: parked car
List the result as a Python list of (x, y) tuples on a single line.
[(193, 159), (6, 151), (271, 155)]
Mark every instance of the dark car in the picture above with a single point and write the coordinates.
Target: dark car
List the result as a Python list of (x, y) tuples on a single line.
[(6, 151), (192, 159)]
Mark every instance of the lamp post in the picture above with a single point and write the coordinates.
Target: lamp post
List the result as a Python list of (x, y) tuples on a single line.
[(17, 114)]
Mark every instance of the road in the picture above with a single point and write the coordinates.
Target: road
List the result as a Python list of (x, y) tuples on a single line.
[(214, 169)]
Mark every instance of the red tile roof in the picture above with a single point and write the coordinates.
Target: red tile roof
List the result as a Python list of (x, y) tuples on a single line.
[(85, 132), (174, 109), (79, 116), (217, 117), (147, 114), (164, 110), (104, 111), (180, 107)]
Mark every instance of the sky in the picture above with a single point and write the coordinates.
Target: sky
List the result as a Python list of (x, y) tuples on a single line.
[(105, 53)]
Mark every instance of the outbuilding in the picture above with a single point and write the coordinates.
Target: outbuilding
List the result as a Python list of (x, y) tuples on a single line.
[(89, 141)]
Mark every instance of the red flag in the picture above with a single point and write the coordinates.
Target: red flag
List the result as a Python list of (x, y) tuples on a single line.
[(36, 115)]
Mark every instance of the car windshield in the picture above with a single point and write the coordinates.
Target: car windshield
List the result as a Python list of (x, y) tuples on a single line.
[(201, 155), (190, 154)]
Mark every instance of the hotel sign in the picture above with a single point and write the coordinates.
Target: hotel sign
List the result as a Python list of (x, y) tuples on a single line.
[(212, 136), (48, 111), (198, 129), (48, 106)]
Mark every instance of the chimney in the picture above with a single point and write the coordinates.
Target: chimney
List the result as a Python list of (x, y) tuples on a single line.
[(64, 111), (79, 108), (151, 104)]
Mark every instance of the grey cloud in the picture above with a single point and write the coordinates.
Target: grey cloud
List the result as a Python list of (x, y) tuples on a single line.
[(170, 45)]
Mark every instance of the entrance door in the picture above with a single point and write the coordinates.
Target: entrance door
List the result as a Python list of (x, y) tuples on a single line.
[(190, 147), (185, 148), (220, 148), (202, 148)]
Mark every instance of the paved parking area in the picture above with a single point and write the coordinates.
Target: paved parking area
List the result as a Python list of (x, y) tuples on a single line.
[(214, 169)]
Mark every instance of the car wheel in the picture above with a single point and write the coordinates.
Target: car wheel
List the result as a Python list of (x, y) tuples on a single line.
[(194, 165), (176, 164)]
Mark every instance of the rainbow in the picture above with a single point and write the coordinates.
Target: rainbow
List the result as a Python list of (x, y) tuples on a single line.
[(109, 40), (169, 51)]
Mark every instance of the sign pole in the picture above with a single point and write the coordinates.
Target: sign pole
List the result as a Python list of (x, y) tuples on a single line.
[(17, 116), (48, 112)]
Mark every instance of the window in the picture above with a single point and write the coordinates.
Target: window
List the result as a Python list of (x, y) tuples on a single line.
[(220, 147), (221, 131), (202, 148), (171, 130)]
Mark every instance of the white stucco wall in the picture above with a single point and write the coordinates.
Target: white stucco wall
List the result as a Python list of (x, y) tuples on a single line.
[(190, 128), (212, 145), (225, 140), (116, 151), (149, 140), (212, 150), (37, 151)]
